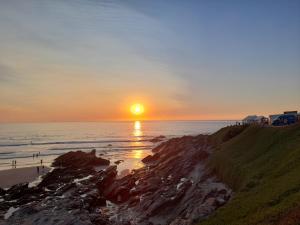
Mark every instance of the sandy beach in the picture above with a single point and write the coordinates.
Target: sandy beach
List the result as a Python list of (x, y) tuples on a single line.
[(19, 175)]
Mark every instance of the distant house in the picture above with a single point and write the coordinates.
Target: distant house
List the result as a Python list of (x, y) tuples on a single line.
[(287, 118), (274, 117), (254, 119)]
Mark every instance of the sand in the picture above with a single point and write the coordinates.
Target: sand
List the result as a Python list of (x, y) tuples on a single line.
[(15, 176)]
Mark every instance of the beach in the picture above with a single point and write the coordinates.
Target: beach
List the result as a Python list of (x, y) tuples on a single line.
[(20, 175)]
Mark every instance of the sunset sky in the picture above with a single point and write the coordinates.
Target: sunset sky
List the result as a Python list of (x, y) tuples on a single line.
[(90, 60)]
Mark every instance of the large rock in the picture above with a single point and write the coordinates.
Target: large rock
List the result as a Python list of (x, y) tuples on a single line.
[(79, 159)]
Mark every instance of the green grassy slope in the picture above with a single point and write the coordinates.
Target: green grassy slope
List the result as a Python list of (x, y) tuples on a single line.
[(262, 165)]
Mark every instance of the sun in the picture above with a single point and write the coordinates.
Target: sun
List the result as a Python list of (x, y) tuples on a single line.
[(137, 109)]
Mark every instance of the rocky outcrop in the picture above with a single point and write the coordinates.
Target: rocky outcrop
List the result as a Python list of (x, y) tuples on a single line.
[(174, 188), (80, 159), (66, 195)]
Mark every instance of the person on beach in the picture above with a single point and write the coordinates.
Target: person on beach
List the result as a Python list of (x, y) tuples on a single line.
[(41, 162)]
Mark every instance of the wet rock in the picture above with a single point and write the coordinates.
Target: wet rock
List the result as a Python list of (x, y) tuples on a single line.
[(157, 139), (93, 200), (59, 176), (104, 179), (18, 191), (2, 191), (150, 158), (118, 162)]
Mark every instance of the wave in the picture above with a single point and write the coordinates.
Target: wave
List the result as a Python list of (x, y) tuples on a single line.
[(105, 151), (13, 145), (28, 156), (73, 142), (106, 148), (6, 153)]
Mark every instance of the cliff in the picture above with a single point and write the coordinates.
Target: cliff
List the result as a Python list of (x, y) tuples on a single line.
[(262, 166)]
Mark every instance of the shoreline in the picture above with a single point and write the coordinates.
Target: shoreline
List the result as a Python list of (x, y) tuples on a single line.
[(15, 176), (161, 183)]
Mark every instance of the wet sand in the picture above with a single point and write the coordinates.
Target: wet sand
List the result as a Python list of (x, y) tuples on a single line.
[(19, 175)]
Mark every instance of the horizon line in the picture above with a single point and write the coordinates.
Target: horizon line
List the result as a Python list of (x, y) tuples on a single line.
[(131, 120)]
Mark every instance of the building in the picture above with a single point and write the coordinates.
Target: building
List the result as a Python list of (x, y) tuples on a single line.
[(254, 119), (287, 118), (274, 117)]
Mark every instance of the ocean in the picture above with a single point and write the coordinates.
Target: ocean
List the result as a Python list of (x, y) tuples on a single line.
[(128, 141)]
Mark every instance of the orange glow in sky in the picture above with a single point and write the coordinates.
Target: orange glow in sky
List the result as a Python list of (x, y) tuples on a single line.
[(116, 68)]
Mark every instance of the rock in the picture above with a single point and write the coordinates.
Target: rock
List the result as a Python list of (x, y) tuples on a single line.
[(157, 139), (94, 200), (150, 158), (124, 173), (174, 185), (180, 221), (118, 162), (2, 191), (59, 176), (18, 191), (80, 159), (104, 179)]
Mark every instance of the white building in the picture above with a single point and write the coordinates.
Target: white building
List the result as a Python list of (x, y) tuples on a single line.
[(254, 119)]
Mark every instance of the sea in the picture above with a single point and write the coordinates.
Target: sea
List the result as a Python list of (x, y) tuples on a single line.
[(29, 144)]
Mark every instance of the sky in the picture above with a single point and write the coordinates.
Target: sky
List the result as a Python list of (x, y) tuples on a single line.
[(90, 60)]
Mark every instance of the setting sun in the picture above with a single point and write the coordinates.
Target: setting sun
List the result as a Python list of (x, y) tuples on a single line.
[(137, 109)]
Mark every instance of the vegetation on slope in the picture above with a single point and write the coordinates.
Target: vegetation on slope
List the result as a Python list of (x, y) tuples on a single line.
[(262, 166)]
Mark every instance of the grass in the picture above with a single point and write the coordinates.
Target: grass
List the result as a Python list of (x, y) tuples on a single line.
[(262, 166)]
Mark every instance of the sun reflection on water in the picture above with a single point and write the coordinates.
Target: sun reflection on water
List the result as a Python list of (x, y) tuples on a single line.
[(132, 158), (137, 131)]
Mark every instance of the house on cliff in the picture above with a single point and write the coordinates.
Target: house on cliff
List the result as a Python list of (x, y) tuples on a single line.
[(287, 118), (254, 119)]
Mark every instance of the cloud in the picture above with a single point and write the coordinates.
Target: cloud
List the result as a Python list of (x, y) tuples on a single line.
[(7, 75)]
